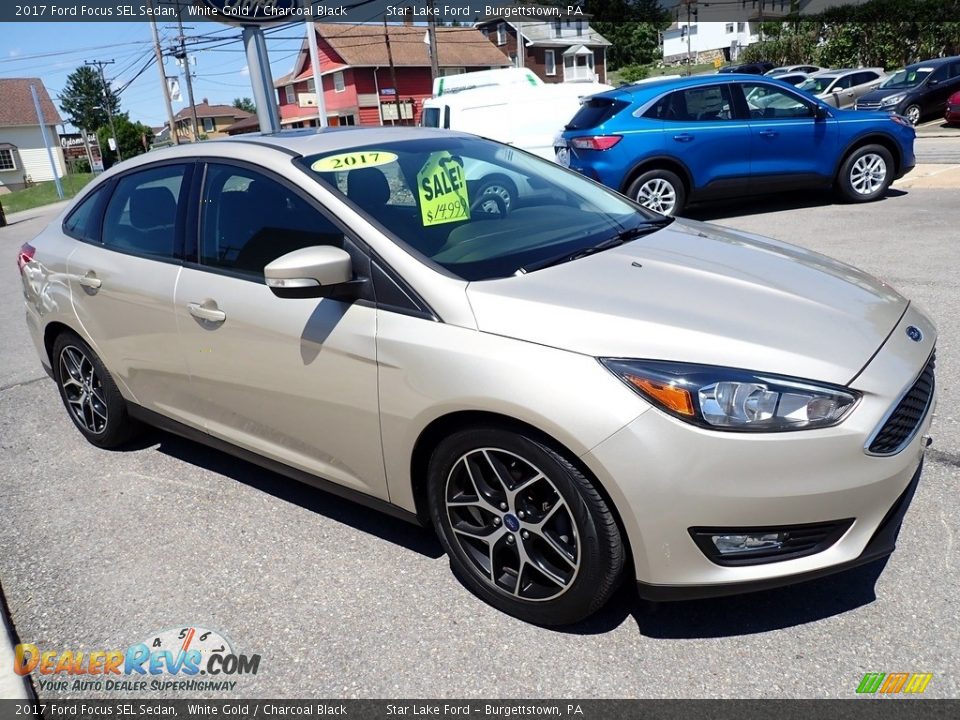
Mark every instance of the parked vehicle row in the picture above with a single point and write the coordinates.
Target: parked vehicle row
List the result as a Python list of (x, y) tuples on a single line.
[(952, 113), (918, 91), (667, 144), (842, 88)]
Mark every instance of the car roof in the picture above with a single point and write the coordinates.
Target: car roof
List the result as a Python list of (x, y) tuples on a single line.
[(308, 141), (933, 62), (653, 88)]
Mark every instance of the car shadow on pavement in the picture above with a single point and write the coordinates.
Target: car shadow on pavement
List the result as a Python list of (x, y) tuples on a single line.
[(740, 207), (367, 520), (744, 614)]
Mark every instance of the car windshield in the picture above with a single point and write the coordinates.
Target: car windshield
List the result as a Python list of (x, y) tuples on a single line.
[(817, 85), (476, 208), (906, 78)]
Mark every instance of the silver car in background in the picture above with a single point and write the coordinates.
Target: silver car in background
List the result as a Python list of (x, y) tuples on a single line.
[(841, 88), (572, 391)]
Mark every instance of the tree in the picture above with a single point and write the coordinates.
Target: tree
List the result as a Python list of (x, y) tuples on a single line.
[(134, 138), (84, 99), (245, 104), (632, 26)]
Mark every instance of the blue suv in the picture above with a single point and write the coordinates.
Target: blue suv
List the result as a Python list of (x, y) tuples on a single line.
[(668, 143)]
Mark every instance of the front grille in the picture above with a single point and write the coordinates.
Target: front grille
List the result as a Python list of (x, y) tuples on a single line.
[(901, 426), (800, 541), (868, 105)]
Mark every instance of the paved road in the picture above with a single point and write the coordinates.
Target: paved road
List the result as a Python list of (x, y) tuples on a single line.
[(938, 149), (98, 549)]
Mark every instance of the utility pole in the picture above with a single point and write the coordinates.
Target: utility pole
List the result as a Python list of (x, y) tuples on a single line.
[(393, 71), (99, 64), (163, 77), (181, 54), (432, 35), (696, 12)]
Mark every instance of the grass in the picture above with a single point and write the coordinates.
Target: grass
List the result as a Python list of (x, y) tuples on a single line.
[(613, 76), (43, 193)]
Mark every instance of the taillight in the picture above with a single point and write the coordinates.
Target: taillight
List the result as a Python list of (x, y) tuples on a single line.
[(27, 251), (595, 142)]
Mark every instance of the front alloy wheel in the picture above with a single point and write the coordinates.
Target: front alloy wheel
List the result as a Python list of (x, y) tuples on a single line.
[(866, 174), (525, 530), (912, 113)]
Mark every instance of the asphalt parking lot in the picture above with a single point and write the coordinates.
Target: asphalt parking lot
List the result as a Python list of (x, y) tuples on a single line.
[(100, 549)]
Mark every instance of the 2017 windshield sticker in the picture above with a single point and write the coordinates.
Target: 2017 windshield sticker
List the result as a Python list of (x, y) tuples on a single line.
[(353, 161), (442, 187)]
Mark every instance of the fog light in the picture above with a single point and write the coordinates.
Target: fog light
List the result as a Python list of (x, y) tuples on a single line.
[(732, 544)]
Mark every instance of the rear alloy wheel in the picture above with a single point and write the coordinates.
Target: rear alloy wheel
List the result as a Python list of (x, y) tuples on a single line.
[(659, 190), (912, 113), (524, 529), (89, 393), (866, 174)]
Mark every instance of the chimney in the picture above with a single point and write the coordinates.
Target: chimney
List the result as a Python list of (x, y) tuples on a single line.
[(205, 102)]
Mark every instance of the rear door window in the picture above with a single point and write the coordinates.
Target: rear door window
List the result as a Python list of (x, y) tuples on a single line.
[(703, 104), (141, 216)]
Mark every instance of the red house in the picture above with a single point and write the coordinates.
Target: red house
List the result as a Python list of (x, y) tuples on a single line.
[(358, 86)]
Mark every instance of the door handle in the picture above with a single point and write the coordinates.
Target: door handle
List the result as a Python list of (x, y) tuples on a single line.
[(768, 133), (205, 312), (683, 137), (90, 280)]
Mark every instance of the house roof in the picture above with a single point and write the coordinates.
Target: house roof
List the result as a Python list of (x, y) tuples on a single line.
[(247, 124), (364, 46), (205, 109), (543, 32), (17, 108)]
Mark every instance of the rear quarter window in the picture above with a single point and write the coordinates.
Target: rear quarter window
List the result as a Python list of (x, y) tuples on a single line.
[(595, 111)]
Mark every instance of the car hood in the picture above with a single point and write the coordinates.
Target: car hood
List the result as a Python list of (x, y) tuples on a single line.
[(881, 93), (695, 292)]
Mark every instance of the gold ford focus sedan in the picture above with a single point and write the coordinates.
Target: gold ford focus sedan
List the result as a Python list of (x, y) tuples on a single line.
[(571, 390)]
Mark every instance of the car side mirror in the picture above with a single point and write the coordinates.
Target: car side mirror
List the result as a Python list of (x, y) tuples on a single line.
[(820, 113), (933, 81), (312, 272)]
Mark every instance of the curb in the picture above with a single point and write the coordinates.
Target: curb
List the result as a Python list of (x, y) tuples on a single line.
[(12, 686)]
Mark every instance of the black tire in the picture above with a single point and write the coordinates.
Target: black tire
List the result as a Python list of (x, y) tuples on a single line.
[(913, 114), (851, 180), (561, 510), (657, 201), (502, 188), (98, 393)]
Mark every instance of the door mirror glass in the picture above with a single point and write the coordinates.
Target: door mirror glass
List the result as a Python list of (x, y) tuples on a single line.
[(311, 272)]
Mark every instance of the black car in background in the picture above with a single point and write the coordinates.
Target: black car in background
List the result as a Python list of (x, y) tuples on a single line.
[(918, 91), (757, 68)]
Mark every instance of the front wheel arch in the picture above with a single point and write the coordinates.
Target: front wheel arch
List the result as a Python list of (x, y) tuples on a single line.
[(446, 425), (887, 142)]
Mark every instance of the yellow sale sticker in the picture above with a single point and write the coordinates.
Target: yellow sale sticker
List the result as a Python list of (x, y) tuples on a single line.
[(353, 161), (442, 187)]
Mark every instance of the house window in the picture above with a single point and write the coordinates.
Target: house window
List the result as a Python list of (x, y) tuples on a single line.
[(7, 161), (557, 28), (729, 28), (338, 85), (580, 28), (348, 120), (208, 125), (550, 62), (291, 94), (311, 85), (444, 71), (741, 26), (502, 34)]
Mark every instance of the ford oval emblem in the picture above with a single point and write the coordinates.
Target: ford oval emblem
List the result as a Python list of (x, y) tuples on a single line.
[(913, 332)]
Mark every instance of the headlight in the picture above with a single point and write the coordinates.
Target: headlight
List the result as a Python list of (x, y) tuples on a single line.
[(892, 99), (736, 400)]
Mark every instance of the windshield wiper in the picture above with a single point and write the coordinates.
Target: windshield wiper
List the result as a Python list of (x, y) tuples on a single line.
[(614, 241)]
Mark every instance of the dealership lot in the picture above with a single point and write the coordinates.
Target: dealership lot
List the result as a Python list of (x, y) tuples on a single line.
[(99, 549)]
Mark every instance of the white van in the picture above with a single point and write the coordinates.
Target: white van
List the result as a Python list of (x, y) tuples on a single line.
[(526, 115)]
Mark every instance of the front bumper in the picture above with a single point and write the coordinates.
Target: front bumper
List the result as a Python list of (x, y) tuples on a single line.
[(666, 477)]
